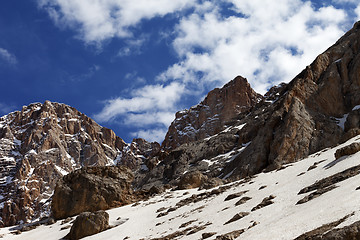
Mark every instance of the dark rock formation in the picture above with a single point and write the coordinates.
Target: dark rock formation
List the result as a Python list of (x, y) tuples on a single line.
[(265, 202), (87, 224), (347, 150), (231, 235), (327, 184), (237, 217), (330, 232), (92, 189)]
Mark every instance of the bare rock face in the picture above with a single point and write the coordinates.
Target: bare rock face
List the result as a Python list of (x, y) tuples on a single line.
[(139, 152), (40, 144), (210, 116), (87, 224), (92, 189)]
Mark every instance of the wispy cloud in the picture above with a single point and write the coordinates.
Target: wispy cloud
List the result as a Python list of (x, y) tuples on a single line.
[(7, 57), (84, 76), (133, 47)]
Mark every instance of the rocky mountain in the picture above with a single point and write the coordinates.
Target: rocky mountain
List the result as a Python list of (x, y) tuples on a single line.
[(43, 142), (319, 108), (51, 154), (316, 198)]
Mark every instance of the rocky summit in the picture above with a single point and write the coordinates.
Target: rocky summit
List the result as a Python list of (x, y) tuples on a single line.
[(53, 155), (220, 107)]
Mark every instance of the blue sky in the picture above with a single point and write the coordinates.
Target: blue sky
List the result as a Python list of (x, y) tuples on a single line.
[(131, 65)]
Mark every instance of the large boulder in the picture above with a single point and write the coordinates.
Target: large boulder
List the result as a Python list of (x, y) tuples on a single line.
[(92, 189), (192, 180), (87, 224), (347, 150)]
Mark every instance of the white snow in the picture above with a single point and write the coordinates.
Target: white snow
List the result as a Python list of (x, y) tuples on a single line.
[(356, 107), (61, 170), (118, 158), (240, 126), (282, 220), (17, 142), (229, 174), (51, 150), (341, 121)]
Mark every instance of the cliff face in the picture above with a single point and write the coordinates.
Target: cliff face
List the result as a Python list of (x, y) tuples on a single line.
[(210, 116), (319, 108), (43, 142)]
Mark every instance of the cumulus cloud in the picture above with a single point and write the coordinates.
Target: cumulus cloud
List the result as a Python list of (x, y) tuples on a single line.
[(7, 57), (267, 43), (99, 20), (151, 105)]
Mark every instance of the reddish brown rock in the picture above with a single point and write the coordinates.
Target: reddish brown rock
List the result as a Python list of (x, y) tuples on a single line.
[(210, 116), (92, 189), (87, 224)]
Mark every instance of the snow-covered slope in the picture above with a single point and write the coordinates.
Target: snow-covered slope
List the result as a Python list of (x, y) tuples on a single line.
[(266, 205)]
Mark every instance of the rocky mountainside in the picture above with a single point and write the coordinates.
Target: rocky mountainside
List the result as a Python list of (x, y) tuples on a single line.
[(43, 142), (319, 108), (316, 198)]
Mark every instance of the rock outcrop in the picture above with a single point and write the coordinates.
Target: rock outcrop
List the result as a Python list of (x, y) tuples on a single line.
[(209, 117), (92, 189), (87, 224)]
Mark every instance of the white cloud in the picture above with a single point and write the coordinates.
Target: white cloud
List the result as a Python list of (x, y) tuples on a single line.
[(149, 105), (271, 44), (8, 57), (133, 47), (357, 11), (99, 20), (151, 135)]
